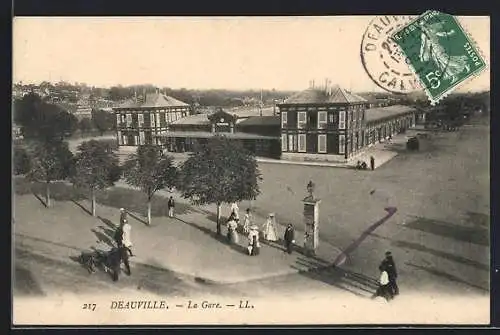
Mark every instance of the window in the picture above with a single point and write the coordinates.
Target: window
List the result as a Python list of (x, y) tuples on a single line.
[(179, 115), (322, 144), (120, 139), (302, 143), (118, 120), (331, 119), (342, 120), (152, 120), (291, 143), (129, 119), (301, 120), (322, 120), (141, 137), (140, 119), (158, 124), (284, 119), (341, 144), (284, 142)]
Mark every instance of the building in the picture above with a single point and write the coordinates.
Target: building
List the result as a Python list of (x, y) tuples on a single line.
[(259, 134), (333, 124), (139, 122)]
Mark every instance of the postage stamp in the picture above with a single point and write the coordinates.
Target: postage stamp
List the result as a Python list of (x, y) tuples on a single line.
[(440, 53), (382, 58)]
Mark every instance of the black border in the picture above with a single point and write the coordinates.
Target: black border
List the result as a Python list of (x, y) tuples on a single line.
[(268, 8)]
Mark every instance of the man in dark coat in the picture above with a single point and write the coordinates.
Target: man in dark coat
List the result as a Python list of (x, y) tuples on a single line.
[(289, 238), (116, 257), (389, 266), (171, 206), (372, 163)]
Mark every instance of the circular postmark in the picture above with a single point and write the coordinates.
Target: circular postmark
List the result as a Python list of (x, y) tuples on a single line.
[(382, 58)]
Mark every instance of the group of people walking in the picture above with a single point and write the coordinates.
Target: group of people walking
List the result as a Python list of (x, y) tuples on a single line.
[(269, 231)]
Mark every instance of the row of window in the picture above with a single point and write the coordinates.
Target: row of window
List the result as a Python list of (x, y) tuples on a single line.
[(322, 119), (154, 119), (297, 143)]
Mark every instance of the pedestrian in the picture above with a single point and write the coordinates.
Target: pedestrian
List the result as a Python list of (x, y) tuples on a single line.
[(383, 289), (126, 237), (372, 162), (389, 265), (289, 238), (235, 210), (123, 215), (171, 206), (246, 221), (253, 241), (116, 257), (232, 234), (269, 229)]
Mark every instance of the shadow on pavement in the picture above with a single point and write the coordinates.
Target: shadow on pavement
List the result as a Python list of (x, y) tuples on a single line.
[(438, 253), (445, 275), (352, 282), (478, 219), (25, 282), (475, 235)]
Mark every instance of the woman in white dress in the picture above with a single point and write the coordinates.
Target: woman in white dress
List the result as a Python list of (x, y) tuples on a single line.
[(269, 229), (246, 221), (253, 241), (235, 211), (232, 234)]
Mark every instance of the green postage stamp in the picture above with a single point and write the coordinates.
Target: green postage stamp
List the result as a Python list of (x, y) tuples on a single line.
[(439, 52)]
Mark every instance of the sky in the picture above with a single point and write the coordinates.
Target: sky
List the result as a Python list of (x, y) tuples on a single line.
[(282, 53)]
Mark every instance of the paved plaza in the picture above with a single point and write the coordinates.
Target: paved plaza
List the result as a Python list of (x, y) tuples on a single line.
[(439, 235)]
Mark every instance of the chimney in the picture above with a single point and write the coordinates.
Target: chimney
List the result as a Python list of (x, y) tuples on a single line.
[(313, 83)]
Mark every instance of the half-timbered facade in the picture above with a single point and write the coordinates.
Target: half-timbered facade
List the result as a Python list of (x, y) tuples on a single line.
[(139, 123), (333, 124), (258, 134)]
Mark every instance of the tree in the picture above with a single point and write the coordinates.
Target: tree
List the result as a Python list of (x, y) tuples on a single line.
[(50, 161), (102, 120), (41, 120), (150, 171), (22, 163), (85, 125), (95, 167), (221, 171)]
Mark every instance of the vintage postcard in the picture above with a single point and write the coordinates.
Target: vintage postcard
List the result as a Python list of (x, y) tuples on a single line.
[(251, 170)]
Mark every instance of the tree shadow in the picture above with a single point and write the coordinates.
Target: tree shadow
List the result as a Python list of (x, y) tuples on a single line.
[(445, 275), (478, 219), (476, 235), (437, 253), (25, 282), (103, 238), (209, 232), (81, 206), (39, 198), (136, 202)]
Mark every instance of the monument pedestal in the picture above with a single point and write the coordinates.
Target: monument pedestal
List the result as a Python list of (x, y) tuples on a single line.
[(311, 221)]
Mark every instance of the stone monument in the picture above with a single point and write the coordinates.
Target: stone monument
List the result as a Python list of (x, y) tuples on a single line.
[(311, 220)]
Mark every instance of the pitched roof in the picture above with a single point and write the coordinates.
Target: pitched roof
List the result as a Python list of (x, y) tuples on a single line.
[(196, 119), (374, 114), (334, 95), (260, 121), (154, 100), (244, 112)]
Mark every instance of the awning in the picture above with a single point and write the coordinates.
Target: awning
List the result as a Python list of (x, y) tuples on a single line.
[(206, 134)]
